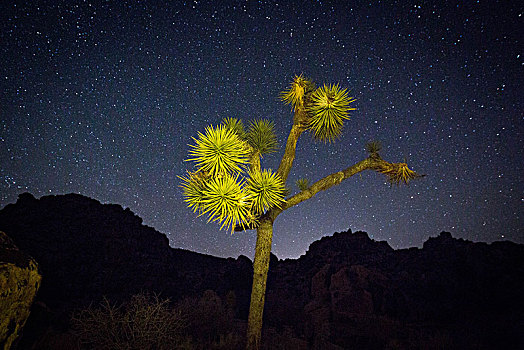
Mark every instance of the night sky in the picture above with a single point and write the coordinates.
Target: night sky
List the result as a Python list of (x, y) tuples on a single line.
[(101, 98)]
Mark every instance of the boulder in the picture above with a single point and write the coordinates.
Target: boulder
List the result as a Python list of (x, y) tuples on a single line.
[(19, 282)]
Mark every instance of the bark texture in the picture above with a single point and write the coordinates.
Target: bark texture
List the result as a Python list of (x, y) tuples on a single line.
[(264, 237), (258, 292), (299, 125)]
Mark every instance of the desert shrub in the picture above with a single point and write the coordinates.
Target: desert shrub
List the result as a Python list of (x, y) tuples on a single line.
[(145, 322)]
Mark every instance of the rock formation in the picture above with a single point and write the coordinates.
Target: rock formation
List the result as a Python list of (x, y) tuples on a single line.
[(347, 291), (357, 293), (19, 282)]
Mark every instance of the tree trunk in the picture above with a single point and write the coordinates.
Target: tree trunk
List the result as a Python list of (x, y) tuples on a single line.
[(258, 292)]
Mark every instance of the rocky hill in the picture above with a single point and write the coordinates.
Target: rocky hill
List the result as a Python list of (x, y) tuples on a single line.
[(347, 291), (87, 249), (358, 293)]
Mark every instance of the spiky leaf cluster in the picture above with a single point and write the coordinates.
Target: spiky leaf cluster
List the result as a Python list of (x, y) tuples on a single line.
[(194, 186), (261, 136), (223, 198), (373, 147), (266, 190), (399, 172), (236, 126), (219, 151), (218, 188), (296, 93), (226, 201), (328, 108), (302, 184)]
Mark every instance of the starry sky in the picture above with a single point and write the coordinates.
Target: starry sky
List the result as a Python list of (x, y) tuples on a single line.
[(101, 98)]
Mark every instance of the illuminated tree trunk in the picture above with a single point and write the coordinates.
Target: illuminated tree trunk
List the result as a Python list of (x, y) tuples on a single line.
[(258, 292)]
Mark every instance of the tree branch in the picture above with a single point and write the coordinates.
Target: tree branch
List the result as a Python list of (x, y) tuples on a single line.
[(396, 173), (373, 162), (254, 161), (299, 125), (326, 182)]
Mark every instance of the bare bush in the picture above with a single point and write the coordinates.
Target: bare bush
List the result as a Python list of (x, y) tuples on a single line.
[(145, 322)]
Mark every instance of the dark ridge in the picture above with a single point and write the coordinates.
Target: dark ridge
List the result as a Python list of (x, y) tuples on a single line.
[(347, 291)]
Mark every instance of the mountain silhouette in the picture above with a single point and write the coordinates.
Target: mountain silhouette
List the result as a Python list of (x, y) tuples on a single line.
[(347, 291)]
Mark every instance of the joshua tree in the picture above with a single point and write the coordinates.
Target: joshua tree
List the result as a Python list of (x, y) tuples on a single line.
[(229, 186)]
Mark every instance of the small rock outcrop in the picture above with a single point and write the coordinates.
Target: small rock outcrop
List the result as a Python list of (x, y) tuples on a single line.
[(19, 282)]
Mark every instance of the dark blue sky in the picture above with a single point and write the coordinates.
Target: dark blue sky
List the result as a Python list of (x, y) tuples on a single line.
[(101, 98)]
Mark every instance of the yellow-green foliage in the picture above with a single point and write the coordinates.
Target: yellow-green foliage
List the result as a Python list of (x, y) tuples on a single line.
[(232, 200), (219, 151), (236, 125), (18, 287), (266, 190), (302, 184), (373, 147), (297, 91), (223, 198), (194, 186), (261, 136), (399, 172), (328, 109), (226, 200), (221, 185)]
